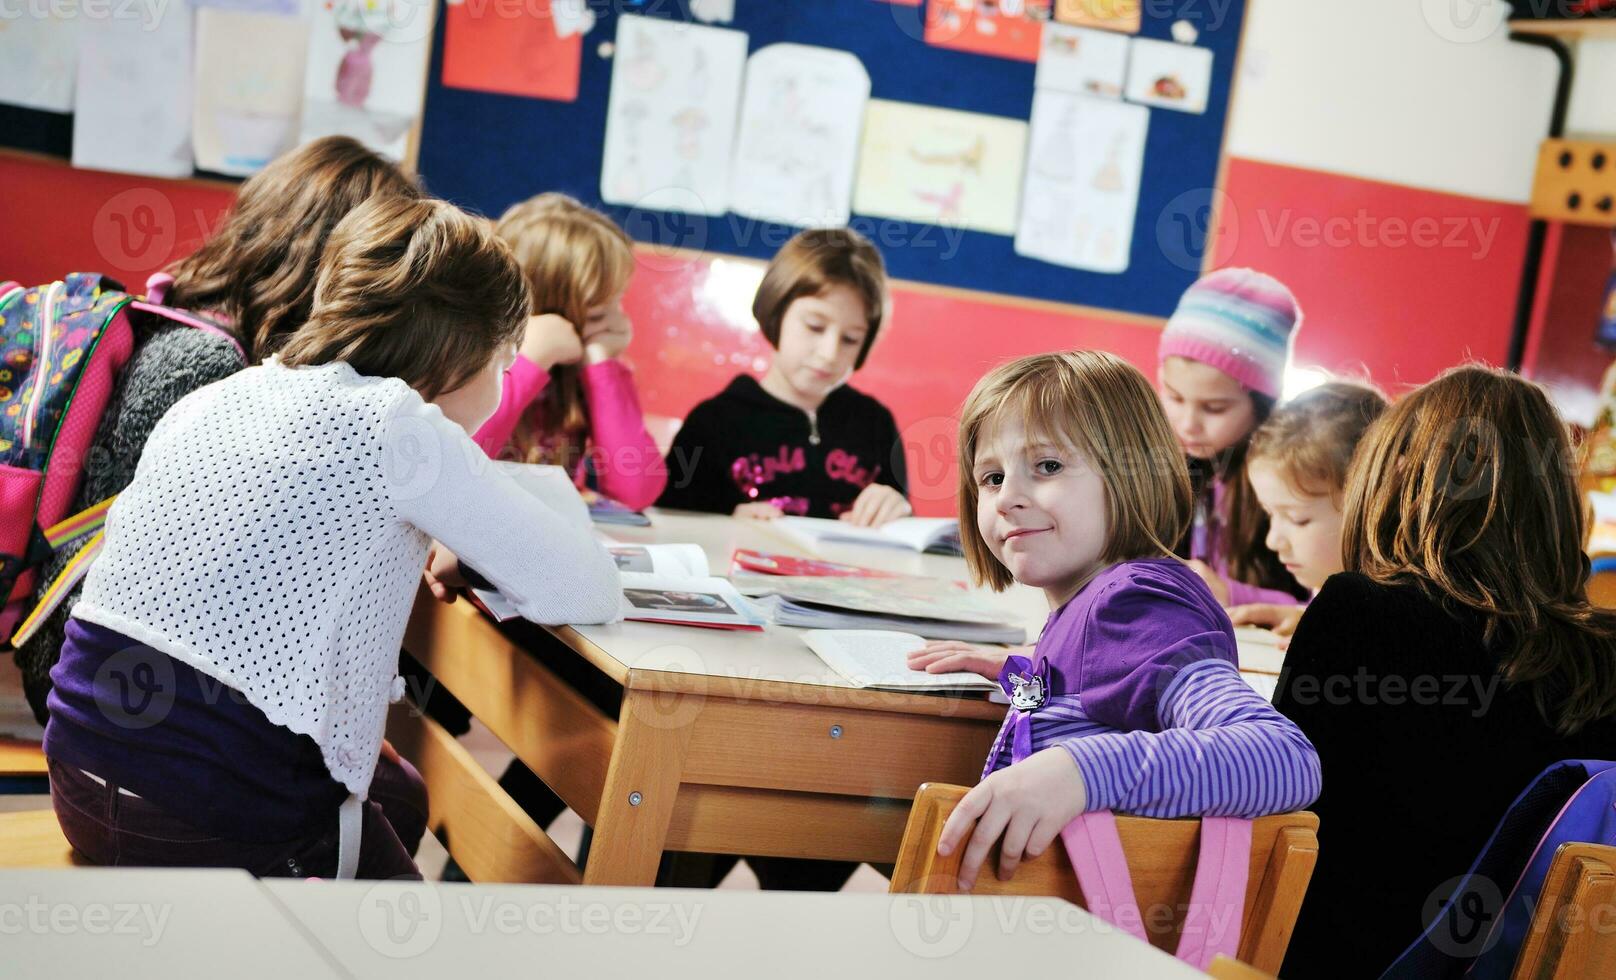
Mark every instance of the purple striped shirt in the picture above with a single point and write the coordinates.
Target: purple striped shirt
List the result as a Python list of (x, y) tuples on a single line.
[(1139, 684)]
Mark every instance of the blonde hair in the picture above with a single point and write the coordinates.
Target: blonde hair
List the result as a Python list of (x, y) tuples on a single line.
[(258, 268), (1103, 407), (814, 261), (1311, 438), (1467, 489), (413, 289), (574, 258)]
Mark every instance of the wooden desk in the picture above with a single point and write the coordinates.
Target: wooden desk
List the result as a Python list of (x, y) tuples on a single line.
[(147, 922), (726, 742), (431, 931), (735, 743)]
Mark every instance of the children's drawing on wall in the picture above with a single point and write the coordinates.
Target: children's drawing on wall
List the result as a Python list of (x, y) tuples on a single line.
[(367, 71), (797, 149), (1110, 15), (134, 82), (940, 166), (1081, 61), (670, 117), (40, 54), (516, 52), (1170, 75), (1002, 28), (247, 90), (1082, 187)]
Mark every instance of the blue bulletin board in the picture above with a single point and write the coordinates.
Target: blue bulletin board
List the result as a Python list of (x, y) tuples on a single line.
[(486, 151)]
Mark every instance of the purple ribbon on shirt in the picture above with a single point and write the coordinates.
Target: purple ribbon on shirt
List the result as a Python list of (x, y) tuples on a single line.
[(1029, 688)]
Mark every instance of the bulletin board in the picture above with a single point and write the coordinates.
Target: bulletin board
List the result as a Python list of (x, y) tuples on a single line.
[(486, 151)]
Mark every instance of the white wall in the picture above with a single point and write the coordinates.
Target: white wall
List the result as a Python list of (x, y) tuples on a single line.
[(1424, 93)]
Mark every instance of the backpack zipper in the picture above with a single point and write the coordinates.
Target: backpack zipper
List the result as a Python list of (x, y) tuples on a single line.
[(47, 326)]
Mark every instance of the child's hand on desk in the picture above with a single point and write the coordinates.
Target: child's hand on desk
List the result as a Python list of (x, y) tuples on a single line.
[(1028, 804), (442, 574), (947, 656), (551, 340), (1281, 619), (875, 505), (607, 336), (1214, 581), (757, 511)]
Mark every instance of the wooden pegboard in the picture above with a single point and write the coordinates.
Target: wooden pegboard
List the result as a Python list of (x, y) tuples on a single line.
[(1576, 182)]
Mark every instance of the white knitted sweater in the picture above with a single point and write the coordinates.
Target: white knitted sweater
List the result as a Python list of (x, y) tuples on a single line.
[(276, 530)]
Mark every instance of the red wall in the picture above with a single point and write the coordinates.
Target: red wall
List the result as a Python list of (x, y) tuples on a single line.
[(1380, 293)]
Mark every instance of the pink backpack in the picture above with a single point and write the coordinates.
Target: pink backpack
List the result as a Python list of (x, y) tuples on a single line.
[(63, 347)]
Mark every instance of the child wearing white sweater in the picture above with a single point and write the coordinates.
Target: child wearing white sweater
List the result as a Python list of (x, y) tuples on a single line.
[(222, 692)]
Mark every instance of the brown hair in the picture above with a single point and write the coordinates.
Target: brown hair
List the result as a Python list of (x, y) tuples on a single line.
[(1466, 488), (1101, 406), (1311, 438), (573, 258), (814, 261), (258, 268), (414, 289)]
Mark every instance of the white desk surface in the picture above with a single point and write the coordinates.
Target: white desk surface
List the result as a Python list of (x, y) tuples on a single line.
[(402, 931), (778, 653), (166, 924)]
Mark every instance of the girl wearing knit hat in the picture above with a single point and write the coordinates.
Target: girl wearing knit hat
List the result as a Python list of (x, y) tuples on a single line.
[(1222, 365)]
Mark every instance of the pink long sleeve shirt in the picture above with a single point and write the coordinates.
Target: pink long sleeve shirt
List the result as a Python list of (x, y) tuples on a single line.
[(628, 466)]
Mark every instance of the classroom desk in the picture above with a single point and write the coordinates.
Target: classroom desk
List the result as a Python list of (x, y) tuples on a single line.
[(133, 923), (726, 742), (403, 930)]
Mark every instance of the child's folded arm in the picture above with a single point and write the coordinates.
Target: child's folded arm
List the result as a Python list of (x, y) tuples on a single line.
[(1222, 751), (629, 468), (524, 383), (439, 481)]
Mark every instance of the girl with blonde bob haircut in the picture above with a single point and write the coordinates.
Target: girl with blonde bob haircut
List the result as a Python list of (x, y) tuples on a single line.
[(569, 393), (270, 548), (1071, 481), (1454, 659)]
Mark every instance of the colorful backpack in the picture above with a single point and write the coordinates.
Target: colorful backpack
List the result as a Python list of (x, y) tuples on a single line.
[(63, 347)]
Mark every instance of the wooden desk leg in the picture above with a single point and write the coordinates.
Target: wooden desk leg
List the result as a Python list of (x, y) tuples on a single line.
[(653, 735)]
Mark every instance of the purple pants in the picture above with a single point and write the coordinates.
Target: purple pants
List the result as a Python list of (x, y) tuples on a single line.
[(114, 829)]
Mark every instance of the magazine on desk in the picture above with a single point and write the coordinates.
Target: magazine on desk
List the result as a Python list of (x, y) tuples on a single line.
[(934, 535), (933, 608)]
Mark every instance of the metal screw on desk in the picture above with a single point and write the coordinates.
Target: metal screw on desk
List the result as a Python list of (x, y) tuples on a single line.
[(634, 798), (836, 731)]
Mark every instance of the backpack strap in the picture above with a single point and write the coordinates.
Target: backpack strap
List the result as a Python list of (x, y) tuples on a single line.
[(1217, 901), (84, 523), (178, 316)]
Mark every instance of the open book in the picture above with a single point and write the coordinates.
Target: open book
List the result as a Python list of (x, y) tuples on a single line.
[(878, 658), (663, 583), (939, 535), (1259, 651)]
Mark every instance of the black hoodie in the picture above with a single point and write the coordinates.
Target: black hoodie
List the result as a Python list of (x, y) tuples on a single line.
[(745, 445)]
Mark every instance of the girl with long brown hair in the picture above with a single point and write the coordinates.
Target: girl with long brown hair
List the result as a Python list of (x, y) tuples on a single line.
[(569, 398), (1454, 659)]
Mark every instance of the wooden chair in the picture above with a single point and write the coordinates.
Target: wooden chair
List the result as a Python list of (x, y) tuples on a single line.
[(1573, 933), (1224, 968), (33, 839), (22, 768), (1161, 860)]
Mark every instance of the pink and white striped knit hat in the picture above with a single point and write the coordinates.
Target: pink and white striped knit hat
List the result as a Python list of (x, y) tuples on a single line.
[(1239, 321)]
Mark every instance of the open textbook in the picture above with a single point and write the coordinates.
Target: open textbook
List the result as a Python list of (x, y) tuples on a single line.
[(939, 535), (663, 583), (932, 608), (879, 658)]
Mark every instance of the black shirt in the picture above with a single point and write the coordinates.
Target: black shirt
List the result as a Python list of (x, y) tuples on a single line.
[(745, 445), (1423, 748)]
